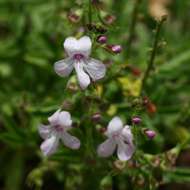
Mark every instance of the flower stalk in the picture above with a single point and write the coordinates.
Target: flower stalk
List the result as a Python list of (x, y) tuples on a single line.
[(132, 25), (153, 53)]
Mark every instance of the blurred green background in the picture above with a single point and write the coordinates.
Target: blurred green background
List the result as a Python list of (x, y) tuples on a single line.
[(31, 36)]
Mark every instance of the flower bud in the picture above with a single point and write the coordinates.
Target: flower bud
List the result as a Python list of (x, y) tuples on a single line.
[(110, 19), (151, 108), (136, 120), (145, 101), (134, 70), (119, 165), (73, 17), (102, 130), (102, 39), (150, 133), (115, 48), (96, 117)]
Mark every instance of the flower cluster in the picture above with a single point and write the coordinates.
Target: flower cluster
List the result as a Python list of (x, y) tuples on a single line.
[(119, 136)]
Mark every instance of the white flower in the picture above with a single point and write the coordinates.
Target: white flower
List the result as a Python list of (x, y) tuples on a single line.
[(60, 123), (118, 137), (78, 52)]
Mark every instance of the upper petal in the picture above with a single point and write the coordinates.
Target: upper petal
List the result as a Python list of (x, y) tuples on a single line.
[(65, 119), (127, 134), (95, 68), (49, 146), (64, 67), (62, 118), (106, 148), (53, 119), (83, 78), (82, 45), (44, 131), (125, 151), (70, 141), (114, 126)]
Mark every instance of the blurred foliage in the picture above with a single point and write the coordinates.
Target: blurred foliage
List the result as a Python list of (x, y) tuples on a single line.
[(31, 37)]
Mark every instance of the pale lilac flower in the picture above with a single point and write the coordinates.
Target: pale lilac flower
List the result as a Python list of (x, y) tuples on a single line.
[(119, 137), (59, 123), (78, 52)]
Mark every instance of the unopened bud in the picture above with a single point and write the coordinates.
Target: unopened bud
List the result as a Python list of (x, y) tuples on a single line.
[(102, 39), (72, 86), (73, 17), (66, 104), (136, 120), (110, 19), (115, 48), (135, 71), (102, 130), (151, 108), (145, 100), (119, 165), (96, 117), (150, 133)]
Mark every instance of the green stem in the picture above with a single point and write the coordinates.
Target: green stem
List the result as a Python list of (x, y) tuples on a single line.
[(132, 25), (153, 54), (89, 11)]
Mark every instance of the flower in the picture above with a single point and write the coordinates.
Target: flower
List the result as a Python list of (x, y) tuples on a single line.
[(60, 123), (118, 137), (78, 52)]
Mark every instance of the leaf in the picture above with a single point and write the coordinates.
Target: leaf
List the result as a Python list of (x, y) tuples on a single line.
[(177, 175)]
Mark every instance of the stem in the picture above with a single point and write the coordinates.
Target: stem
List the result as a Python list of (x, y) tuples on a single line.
[(153, 54), (89, 12), (115, 185), (132, 25)]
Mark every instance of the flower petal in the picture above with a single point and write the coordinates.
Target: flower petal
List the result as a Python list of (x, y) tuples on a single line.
[(70, 45), (114, 126), (70, 141), (106, 148), (53, 119), (61, 118), (125, 151), (44, 131), (127, 134), (65, 119), (82, 46), (64, 67), (83, 78), (49, 146), (95, 68)]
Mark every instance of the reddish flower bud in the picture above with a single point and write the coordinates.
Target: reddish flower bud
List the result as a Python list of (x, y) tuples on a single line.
[(136, 120), (135, 71), (102, 39), (102, 130), (115, 48), (150, 133), (96, 117), (146, 100), (151, 108), (73, 17), (110, 19)]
